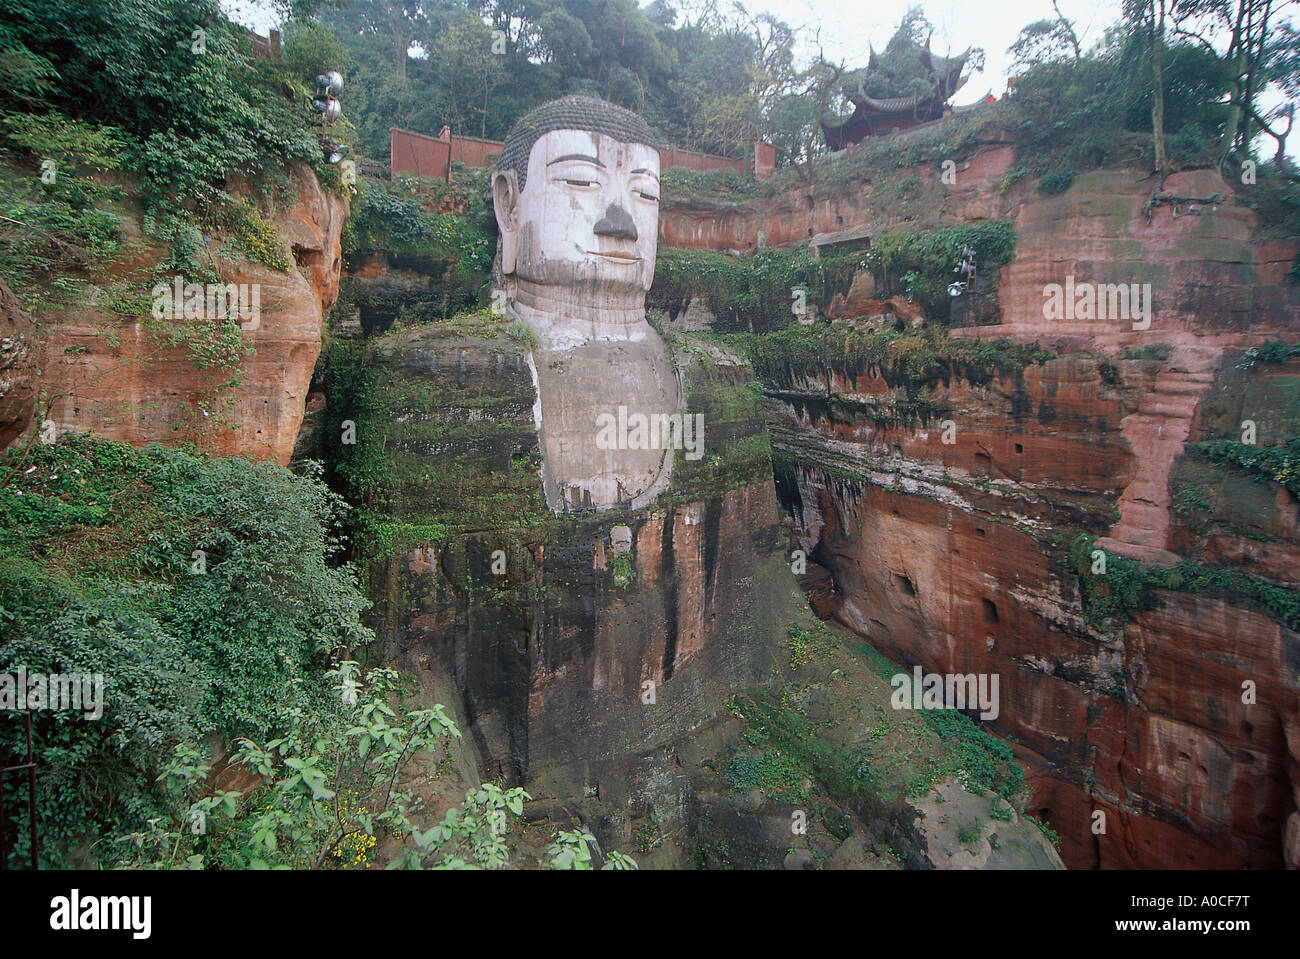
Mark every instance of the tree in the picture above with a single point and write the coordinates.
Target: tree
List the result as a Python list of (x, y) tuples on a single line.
[(184, 653), (1067, 27), (1260, 50), (1148, 17), (795, 122), (1044, 41), (1157, 25), (330, 787), (397, 23), (468, 70)]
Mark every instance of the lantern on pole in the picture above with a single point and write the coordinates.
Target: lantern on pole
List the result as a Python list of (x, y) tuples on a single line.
[(329, 87), (967, 269)]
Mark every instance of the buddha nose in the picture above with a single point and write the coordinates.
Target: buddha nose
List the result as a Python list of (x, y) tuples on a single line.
[(616, 222)]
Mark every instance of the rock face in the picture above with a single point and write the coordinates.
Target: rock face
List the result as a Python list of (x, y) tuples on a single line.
[(1148, 727), (579, 646), (382, 289), (606, 660), (951, 555), (801, 215), (944, 549), (1188, 253), (17, 369), (119, 378)]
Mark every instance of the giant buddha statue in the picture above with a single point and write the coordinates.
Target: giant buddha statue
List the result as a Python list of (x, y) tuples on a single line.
[(576, 195)]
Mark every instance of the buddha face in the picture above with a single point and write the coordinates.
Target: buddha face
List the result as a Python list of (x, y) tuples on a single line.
[(587, 218)]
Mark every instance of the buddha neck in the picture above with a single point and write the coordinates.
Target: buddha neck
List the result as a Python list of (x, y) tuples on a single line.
[(564, 317)]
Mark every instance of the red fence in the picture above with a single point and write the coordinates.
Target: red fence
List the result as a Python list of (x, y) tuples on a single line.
[(419, 154), (471, 151), (428, 156), (675, 156), (265, 47)]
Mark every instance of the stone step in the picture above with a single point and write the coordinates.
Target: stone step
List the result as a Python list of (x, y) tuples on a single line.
[(1171, 405), (1147, 491), (1139, 515), (1183, 386), (1144, 554)]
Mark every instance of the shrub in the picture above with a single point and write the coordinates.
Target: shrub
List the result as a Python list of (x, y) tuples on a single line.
[(130, 77), (258, 239), (1055, 182), (921, 264), (982, 761), (623, 570), (98, 550), (49, 232), (743, 772)]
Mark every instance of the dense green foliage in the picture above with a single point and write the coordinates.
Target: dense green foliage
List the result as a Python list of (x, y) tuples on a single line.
[(920, 264), (710, 80), (430, 218), (202, 591), (913, 360), (50, 232), (760, 291), (1274, 351), (754, 292), (1128, 586), (328, 786), (100, 573), (335, 785), (1281, 464), (683, 180), (1057, 181), (189, 110), (1082, 114)]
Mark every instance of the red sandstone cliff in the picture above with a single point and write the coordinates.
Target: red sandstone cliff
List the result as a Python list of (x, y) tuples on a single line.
[(17, 369), (111, 374), (950, 555)]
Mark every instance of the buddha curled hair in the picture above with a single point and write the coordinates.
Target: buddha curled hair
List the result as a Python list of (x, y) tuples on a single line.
[(571, 113)]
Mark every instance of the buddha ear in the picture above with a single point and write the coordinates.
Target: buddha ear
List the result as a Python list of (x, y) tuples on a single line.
[(505, 201)]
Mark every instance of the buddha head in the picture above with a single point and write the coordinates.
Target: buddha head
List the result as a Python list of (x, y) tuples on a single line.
[(576, 194)]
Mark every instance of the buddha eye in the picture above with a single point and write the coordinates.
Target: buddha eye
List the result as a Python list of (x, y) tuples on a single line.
[(578, 182), (646, 196)]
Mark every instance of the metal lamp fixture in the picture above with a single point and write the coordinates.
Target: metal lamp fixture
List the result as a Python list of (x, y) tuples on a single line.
[(967, 268), (329, 86), (331, 83)]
